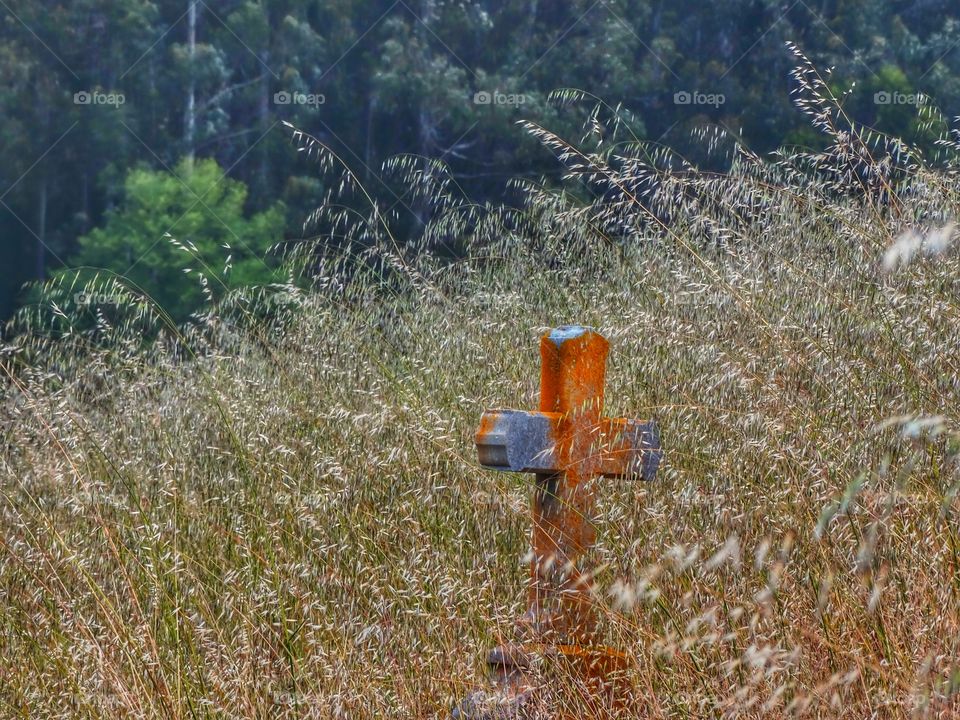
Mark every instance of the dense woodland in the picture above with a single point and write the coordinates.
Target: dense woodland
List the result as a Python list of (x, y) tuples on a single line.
[(127, 121)]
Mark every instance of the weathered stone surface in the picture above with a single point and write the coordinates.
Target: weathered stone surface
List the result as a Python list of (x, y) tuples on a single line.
[(565, 444), (529, 442)]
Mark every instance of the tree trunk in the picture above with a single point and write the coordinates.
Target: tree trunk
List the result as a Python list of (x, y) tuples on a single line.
[(41, 250), (368, 147), (426, 124), (532, 7), (263, 111), (190, 117)]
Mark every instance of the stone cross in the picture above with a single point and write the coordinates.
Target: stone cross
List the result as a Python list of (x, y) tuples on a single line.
[(568, 443)]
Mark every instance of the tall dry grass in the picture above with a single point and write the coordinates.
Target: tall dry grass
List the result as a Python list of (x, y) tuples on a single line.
[(276, 511)]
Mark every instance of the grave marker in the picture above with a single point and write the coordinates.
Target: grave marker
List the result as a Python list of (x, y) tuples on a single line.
[(568, 444)]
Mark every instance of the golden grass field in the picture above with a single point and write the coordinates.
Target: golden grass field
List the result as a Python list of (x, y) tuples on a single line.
[(281, 514)]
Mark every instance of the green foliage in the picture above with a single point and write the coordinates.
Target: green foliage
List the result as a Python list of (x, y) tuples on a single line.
[(402, 78), (181, 235)]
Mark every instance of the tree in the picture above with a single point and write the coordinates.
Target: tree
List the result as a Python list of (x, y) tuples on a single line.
[(214, 79), (175, 234)]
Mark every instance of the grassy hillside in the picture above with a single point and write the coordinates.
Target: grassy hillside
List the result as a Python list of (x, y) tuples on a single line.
[(277, 511)]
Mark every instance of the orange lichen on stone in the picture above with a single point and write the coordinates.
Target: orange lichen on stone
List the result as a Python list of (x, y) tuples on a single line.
[(572, 379), (568, 443)]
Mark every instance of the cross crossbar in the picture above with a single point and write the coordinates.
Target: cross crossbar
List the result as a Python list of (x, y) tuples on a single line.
[(530, 442)]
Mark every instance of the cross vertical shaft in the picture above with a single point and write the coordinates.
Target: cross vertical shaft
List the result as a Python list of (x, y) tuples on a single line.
[(566, 444), (571, 385)]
